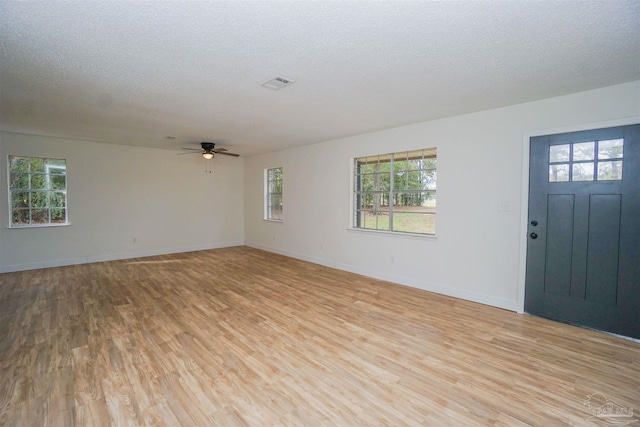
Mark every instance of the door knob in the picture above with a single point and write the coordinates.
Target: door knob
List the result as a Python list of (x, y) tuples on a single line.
[(533, 235)]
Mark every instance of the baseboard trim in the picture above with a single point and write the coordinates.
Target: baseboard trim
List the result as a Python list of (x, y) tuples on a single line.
[(315, 260), (511, 305), (112, 257)]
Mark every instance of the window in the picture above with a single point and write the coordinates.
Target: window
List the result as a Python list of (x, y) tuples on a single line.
[(273, 194), (586, 161), (396, 192), (37, 191)]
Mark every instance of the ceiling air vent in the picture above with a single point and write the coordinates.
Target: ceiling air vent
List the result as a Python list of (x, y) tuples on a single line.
[(277, 83)]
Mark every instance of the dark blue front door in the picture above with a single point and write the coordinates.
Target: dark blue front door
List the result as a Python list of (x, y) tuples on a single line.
[(583, 251)]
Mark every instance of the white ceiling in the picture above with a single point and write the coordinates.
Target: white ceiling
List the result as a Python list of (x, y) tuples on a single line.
[(133, 73)]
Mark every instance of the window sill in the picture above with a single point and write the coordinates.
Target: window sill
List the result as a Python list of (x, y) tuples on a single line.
[(394, 233), (22, 227), (273, 220)]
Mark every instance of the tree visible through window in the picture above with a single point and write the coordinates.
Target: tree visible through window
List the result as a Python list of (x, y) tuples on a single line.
[(396, 192), (273, 194), (37, 191)]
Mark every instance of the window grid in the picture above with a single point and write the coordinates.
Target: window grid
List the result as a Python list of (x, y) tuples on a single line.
[(599, 160), (273, 194), (396, 192), (37, 191)]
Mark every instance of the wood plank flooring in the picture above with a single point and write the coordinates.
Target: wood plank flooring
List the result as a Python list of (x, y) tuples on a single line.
[(242, 337)]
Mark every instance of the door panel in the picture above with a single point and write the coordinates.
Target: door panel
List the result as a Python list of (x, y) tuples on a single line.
[(603, 248), (583, 252), (558, 263)]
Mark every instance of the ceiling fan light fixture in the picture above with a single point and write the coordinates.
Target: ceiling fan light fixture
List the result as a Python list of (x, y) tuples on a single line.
[(207, 156)]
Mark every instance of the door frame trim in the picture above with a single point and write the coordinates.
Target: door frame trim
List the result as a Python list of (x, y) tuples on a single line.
[(524, 200)]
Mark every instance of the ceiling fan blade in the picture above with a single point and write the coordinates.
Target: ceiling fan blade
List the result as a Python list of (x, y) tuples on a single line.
[(228, 154), (191, 149), (193, 152), (219, 150)]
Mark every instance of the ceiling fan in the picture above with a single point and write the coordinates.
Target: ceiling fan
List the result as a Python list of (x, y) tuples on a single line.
[(209, 150)]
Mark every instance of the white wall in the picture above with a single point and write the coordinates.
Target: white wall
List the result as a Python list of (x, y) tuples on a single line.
[(118, 193), (476, 254)]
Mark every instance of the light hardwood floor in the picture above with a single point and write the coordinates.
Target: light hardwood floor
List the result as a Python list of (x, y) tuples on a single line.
[(243, 337)]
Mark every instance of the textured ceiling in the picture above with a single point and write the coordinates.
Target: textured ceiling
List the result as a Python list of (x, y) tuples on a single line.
[(134, 73)]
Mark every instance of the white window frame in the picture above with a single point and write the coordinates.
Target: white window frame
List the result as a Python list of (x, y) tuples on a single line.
[(269, 195), (47, 173), (357, 192)]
